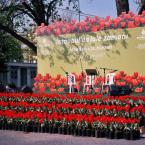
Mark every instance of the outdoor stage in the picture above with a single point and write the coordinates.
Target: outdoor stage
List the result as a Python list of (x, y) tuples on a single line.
[(66, 50), (69, 98)]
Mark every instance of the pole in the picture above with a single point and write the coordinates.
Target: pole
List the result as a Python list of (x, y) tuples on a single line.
[(79, 11)]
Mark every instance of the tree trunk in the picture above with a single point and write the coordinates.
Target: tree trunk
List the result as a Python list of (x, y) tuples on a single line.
[(19, 37), (142, 8), (122, 6)]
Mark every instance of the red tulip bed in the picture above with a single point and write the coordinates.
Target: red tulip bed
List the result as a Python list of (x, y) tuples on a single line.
[(73, 114), (58, 84), (125, 20)]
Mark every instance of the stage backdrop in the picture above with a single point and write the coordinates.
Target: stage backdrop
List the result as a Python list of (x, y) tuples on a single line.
[(122, 49)]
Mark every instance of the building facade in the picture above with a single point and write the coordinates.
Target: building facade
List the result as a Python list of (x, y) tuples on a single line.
[(19, 73)]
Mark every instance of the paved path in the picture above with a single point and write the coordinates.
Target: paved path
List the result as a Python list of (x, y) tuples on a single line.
[(21, 138)]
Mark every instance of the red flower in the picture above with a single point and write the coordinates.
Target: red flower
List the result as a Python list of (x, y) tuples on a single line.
[(41, 87), (139, 90), (134, 82), (60, 90), (48, 85), (41, 120), (122, 24), (52, 90), (122, 83), (135, 74), (143, 83), (95, 28)]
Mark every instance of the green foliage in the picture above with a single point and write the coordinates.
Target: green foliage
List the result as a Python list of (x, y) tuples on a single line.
[(26, 13), (19, 16), (10, 49)]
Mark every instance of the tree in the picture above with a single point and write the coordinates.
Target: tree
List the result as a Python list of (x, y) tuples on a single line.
[(9, 47), (21, 15), (141, 4), (9, 50), (122, 6)]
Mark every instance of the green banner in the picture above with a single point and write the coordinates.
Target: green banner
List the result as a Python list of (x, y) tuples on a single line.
[(122, 49)]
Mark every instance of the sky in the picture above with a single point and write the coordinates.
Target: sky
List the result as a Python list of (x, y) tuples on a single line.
[(103, 8)]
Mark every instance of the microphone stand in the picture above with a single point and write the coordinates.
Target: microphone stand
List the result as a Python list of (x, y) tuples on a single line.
[(63, 70), (66, 73), (82, 67), (98, 73)]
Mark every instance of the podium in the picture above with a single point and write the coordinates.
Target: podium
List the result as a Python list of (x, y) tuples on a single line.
[(90, 77), (91, 72)]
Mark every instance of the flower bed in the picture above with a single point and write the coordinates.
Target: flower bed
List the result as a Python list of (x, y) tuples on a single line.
[(125, 20), (58, 84), (87, 115)]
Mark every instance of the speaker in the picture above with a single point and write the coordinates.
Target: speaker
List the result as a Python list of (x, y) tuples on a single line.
[(125, 90), (26, 89), (2, 87), (115, 90), (73, 90)]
